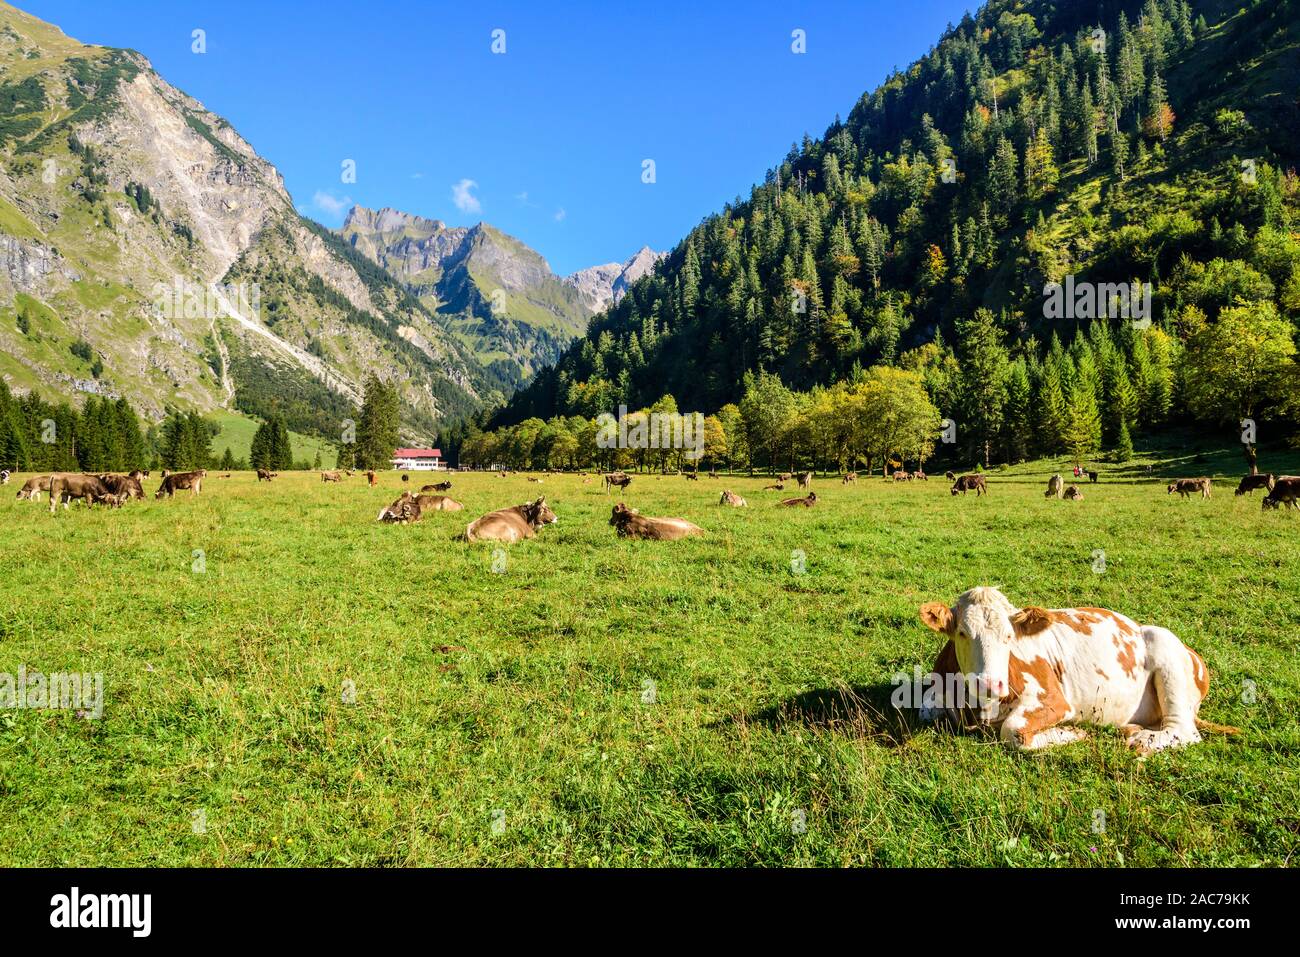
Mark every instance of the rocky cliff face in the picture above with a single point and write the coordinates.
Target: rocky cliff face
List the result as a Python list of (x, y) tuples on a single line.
[(603, 286), (122, 200)]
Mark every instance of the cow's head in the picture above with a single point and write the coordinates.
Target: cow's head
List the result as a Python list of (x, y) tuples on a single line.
[(982, 630), (539, 513), (1170, 489), (621, 514), (399, 511)]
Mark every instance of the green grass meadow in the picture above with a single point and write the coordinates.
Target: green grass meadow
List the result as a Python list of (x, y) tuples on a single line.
[(609, 702)]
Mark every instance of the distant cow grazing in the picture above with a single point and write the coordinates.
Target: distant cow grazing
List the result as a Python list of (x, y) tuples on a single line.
[(124, 486), (1189, 486), (731, 498), (511, 524), (1251, 482), (805, 479), (4, 476), (182, 480), (920, 476), (370, 478), (1034, 671), (263, 475), (692, 476), (1092, 477), (850, 477), (331, 476), (1285, 491), (950, 476), (807, 502), (1054, 486), (1073, 494), (34, 486), (969, 483), (617, 480), (632, 524), (901, 476)]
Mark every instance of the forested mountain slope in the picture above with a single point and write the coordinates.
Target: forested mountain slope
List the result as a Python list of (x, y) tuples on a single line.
[(1147, 141)]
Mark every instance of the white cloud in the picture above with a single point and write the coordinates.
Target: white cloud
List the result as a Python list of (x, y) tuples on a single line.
[(465, 200), (560, 214), (417, 176), (329, 203)]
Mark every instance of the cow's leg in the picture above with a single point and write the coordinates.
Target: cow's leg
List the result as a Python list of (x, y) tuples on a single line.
[(1177, 692), (1034, 722), (945, 677)]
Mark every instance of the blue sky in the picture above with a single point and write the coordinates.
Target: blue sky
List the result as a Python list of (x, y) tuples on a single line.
[(546, 141)]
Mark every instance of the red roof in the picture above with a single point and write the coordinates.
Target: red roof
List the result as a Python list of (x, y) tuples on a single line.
[(417, 454)]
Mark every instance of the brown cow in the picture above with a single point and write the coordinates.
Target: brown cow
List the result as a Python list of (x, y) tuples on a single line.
[(370, 477), (125, 486), (405, 509), (808, 502), (264, 475), (439, 487), (1285, 491), (438, 503), (805, 479), (331, 476), (778, 487), (692, 476), (617, 480), (784, 477), (950, 476), (1055, 485), (902, 477), (1251, 482), (968, 482), (731, 498), (1189, 486), (177, 481), (511, 524), (1073, 494), (850, 477), (34, 486), (631, 524), (64, 487), (920, 476)]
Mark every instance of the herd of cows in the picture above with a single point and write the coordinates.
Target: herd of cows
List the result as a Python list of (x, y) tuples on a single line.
[(1035, 674)]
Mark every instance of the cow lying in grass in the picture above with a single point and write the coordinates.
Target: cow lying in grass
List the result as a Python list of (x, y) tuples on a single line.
[(1072, 494), (511, 524), (731, 498), (411, 508), (632, 524), (807, 502), (1035, 673), (439, 487), (1190, 486), (176, 481)]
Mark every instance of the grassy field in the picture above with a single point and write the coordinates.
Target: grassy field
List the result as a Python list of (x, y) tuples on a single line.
[(605, 702), (237, 433)]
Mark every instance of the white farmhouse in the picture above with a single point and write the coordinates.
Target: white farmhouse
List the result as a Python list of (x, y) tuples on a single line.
[(418, 460)]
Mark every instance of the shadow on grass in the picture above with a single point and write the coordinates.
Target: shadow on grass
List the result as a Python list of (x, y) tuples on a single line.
[(863, 710)]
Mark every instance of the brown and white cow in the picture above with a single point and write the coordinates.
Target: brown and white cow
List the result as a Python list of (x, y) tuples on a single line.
[(969, 483), (632, 524), (617, 480), (1285, 491), (850, 477), (1190, 486), (1055, 485), (1034, 673), (808, 502), (176, 481), (731, 498), (511, 524), (1251, 482), (1072, 494), (920, 476), (4, 476), (34, 486)]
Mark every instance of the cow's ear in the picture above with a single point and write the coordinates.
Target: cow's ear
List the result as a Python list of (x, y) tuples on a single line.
[(937, 616), (1030, 621)]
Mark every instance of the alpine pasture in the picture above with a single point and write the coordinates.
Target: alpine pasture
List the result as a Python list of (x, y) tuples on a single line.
[(288, 681)]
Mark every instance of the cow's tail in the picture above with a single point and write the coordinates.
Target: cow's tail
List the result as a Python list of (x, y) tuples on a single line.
[(1217, 728)]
